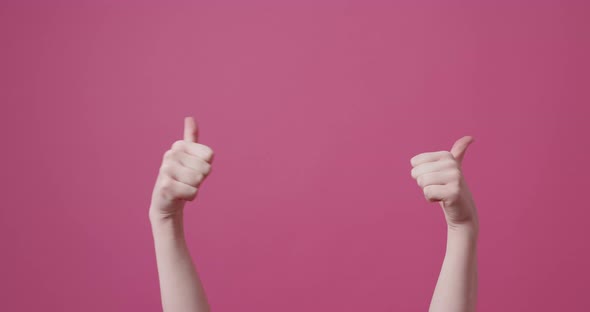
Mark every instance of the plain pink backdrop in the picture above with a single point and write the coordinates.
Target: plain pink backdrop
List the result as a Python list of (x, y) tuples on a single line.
[(314, 111)]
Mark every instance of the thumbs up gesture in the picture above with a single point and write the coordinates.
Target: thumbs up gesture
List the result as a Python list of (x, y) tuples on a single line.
[(440, 176), (184, 167)]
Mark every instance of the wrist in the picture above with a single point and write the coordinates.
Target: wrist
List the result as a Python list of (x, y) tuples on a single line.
[(465, 229), (167, 224), (158, 214), (462, 217)]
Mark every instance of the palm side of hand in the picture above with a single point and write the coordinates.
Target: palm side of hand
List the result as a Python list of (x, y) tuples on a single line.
[(184, 167)]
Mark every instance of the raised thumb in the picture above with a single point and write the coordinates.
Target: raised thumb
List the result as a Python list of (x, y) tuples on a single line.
[(460, 146), (191, 131)]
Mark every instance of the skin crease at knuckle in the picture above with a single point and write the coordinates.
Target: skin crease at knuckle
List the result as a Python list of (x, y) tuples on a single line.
[(196, 162), (431, 195), (183, 158), (176, 154), (172, 168), (195, 179), (448, 155), (205, 152), (191, 193), (428, 178)]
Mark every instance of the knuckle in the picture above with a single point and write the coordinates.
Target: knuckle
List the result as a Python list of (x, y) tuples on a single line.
[(208, 153), (170, 154), (206, 168), (199, 178), (420, 180), (427, 192), (178, 145), (191, 193), (166, 183), (167, 188), (455, 174), (449, 163), (166, 168)]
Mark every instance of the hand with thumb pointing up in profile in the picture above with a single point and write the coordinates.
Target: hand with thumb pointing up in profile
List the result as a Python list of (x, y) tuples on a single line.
[(184, 167), (440, 176)]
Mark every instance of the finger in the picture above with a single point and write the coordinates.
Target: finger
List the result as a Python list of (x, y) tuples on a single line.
[(434, 193), (460, 146), (429, 157), (194, 162), (195, 149), (432, 167), (175, 190), (191, 132), (182, 174), (438, 178)]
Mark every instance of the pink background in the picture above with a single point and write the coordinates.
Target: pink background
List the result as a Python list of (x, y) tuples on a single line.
[(314, 110)]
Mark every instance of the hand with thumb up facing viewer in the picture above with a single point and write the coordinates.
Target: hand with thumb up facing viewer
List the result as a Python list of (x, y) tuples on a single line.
[(184, 168)]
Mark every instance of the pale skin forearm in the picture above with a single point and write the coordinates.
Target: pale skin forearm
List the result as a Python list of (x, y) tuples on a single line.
[(456, 288), (180, 286)]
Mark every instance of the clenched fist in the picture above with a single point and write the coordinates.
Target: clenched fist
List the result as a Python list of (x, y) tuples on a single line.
[(184, 167), (440, 176)]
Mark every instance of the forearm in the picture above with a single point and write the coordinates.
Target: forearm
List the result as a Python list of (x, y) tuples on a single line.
[(456, 289), (180, 286)]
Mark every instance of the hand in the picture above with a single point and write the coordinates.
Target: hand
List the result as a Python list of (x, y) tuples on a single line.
[(440, 176), (184, 167)]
